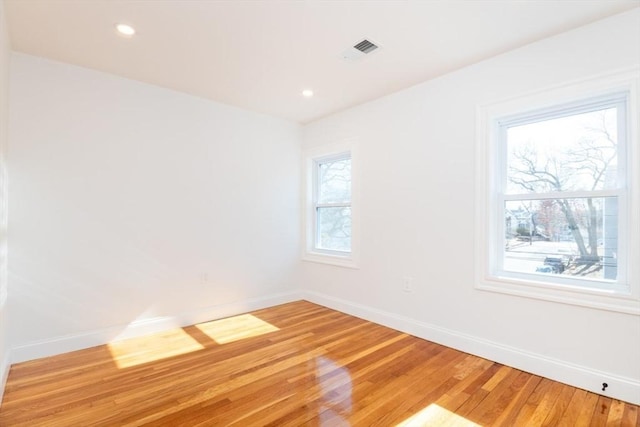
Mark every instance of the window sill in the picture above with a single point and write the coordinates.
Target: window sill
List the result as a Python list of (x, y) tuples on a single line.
[(592, 298), (322, 258)]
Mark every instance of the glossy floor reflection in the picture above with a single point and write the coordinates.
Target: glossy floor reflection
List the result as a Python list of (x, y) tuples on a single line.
[(336, 389), (297, 364)]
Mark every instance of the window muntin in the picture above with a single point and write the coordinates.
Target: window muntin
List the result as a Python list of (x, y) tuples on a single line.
[(561, 180), (332, 204)]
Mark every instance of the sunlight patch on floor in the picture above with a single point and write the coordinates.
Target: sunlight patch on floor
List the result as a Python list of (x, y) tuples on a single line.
[(236, 328), (434, 415), (137, 351)]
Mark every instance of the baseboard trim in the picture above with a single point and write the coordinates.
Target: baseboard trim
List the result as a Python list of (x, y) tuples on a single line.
[(5, 365), (67, 343), (621, 388)]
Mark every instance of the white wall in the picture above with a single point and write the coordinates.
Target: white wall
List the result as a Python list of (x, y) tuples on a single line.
[(131, 203), (417, 156), (4, 100)]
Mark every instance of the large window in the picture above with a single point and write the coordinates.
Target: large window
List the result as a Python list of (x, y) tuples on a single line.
[(559, 196), (563, 178), (330, 224)]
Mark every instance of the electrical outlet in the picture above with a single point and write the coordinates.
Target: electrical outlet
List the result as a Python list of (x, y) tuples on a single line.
[(407, 284), (204, 277)]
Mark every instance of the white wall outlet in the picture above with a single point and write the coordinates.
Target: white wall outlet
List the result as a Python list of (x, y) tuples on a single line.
[(204, 277), (407, 284)]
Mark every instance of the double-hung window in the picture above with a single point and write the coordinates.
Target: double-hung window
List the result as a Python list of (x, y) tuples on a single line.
[(558, 196), (330, 206)]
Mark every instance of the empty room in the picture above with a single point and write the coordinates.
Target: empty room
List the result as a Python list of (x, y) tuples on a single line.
[(319, 213)]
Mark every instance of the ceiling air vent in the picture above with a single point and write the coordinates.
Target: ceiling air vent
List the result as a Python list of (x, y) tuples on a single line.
[(359, 50), (365, 46)]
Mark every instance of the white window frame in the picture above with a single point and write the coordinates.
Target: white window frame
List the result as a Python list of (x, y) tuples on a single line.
[(317, 205), (312, 158), (624, 294)]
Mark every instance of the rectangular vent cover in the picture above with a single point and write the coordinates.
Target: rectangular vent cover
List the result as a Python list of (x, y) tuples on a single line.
[(365, 46)]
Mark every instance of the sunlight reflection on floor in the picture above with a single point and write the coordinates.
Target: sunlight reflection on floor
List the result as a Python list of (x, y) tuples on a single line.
[(176, 342), (236, 328), (137, 351), (434, 415)]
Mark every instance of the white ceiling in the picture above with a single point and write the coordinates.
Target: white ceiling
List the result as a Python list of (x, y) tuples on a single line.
[(260, 55)]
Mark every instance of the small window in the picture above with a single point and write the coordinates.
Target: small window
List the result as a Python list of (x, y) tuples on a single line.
[(559, 198), (332, 200), (330, 205)]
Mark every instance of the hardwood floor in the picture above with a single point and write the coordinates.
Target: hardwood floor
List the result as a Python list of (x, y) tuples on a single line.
[(297, 364)]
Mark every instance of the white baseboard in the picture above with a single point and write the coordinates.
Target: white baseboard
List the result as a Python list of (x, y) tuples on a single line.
[(626, 389), (67, 343), (5, 365)]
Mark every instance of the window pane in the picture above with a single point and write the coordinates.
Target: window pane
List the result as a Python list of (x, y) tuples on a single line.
[(570, 237), (573, 153), (334, 228), (334, 181)]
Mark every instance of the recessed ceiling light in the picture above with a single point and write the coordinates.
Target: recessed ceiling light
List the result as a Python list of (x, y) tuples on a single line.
[(307, 93), (125, 30)]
